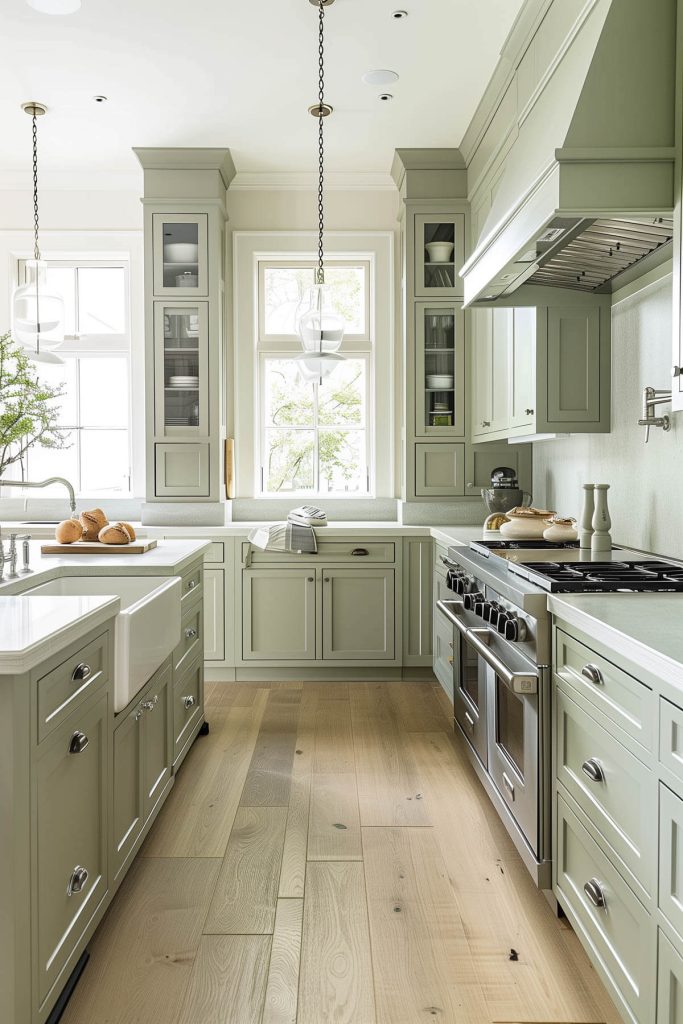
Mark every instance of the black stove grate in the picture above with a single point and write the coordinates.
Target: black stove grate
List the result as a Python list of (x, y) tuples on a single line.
[(577, 577)]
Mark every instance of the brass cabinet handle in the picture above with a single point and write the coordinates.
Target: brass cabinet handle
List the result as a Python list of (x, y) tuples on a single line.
[(79, 741), (191, 633), (78, 878), (593, 769), (593, 673), (189, 702), (595, 893), (82, 671)]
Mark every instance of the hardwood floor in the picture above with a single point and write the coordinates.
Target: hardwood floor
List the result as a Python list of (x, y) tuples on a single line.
[(327, 856)]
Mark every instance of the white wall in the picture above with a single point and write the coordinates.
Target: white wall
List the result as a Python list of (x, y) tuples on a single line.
[(646, 481)]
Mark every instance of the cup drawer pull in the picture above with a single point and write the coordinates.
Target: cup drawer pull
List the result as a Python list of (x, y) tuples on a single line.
[(593, 769), (191, 633), (79, 741), (595, 893), (359, 552), (593, 674), (82, 671), (79, 876)]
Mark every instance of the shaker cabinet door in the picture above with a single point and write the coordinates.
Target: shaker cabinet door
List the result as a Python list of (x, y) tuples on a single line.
[(439, 470), (574, 366), (358, 614), (278, 614)]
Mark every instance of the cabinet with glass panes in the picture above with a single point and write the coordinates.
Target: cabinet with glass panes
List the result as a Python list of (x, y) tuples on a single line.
[(440, 369), (181, 366), (439, 254)]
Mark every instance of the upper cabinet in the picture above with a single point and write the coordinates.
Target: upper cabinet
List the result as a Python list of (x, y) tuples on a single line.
[(439, 254), (541, 370), (439, 370), (180, 254)]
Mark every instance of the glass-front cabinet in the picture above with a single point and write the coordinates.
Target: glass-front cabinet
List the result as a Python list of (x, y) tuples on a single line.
[(180, 254), (440, 370), (439, 254), (181, 356)]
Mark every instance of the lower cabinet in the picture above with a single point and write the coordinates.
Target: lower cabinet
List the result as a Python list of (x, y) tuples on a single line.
[(442, 643), (358, 614), (188, 709), (278, 614), (669, 983), (214, 614), (157, 737), (70, 845)]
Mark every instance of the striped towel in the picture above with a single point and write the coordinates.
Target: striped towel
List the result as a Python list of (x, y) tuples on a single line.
[(292, 537)]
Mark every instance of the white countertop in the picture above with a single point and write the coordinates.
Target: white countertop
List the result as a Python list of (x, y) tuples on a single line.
[(29, 626), (645, 628)]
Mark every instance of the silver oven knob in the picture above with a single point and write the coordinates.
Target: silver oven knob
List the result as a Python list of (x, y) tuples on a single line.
[(471, 600), (515, 630), (503, 619), (490, 613), (481, 606)]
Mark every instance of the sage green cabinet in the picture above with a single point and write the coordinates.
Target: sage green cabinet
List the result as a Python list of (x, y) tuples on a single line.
[(482, 459), (418, 601), (180, 254), (439, 370), (188, 709), (492, 337), (358, 614), (70, 838), (157, 737), (214, 614), (442, 644), (181, 367), (439, 470), (669, 983), (522, 368), (278, 614), (128, 798), (439, 254), (575, 370), (670, 899), (182, 470)]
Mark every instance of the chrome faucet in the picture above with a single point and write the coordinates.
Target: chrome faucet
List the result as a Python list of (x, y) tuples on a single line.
[(652, 397), (45, 483)]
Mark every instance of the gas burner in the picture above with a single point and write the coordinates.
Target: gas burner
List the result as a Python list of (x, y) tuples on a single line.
[(485, 547), (596, 577)]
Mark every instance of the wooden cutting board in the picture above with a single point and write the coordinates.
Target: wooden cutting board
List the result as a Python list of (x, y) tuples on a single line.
[(85, 547)]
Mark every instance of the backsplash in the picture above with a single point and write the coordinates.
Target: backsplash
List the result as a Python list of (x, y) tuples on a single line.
[(646, 492)]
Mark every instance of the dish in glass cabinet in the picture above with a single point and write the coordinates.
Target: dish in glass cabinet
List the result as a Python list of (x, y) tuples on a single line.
[(181, 252), (439, 252)]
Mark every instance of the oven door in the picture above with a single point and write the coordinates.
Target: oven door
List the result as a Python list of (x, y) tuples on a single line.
[(469, 682), (513, 685)]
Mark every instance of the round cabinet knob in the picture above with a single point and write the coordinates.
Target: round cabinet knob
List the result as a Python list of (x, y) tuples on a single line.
[(189, 702), (528, 412), (191, 633), (191, 584), (311, 579), (149, 705), (79, 741), (486, 423), (79, 876), (327, 579), (82, 671)]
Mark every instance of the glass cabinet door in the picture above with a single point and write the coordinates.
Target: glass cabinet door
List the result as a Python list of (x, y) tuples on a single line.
[(181, 365), (440, 384), (180, 254), (439, 252)]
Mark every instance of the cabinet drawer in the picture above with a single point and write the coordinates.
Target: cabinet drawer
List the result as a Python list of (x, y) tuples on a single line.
[(67, 685), (70, 838), (669, 983), (626, 701), (671, 857), (618, 934), (191, 637), (614, 789), (187, 705), (671, 737), (360, 551), (191, 581)]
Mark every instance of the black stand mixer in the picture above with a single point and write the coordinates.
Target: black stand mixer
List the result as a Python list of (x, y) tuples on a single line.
[(503, 494)]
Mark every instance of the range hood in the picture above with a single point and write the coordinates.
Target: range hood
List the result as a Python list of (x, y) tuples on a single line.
[(588, 184)]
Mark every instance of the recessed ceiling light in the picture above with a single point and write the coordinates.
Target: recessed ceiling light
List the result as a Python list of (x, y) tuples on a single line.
[(100, 99), (399, 14), (380, 77), (55, 6), (386, 97)]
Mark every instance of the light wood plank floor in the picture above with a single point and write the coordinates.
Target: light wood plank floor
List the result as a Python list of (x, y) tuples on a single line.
[(327, 856)]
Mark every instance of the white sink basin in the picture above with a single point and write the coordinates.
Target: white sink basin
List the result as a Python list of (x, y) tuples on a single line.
[(146, 629)]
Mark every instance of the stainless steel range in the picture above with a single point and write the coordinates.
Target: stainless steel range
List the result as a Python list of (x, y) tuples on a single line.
[(501, 665)]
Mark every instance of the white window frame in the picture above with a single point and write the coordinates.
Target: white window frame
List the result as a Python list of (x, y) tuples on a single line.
[(94, 346), (252, 252)]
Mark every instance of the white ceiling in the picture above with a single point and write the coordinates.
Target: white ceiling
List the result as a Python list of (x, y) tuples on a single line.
[(242, 75)]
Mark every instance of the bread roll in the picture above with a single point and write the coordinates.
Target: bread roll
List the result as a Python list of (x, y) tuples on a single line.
[(92, 522), (114, 533), (68, 531), (129, 528)]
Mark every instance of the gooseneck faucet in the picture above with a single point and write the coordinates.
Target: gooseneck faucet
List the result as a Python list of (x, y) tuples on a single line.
[(45, 483)]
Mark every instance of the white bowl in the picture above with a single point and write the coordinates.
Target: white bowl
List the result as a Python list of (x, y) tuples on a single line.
[(181, 252), (186, 281), (439, 252), (444, 381)]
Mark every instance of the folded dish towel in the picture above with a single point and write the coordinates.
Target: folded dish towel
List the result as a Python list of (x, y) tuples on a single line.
[(285, 537)]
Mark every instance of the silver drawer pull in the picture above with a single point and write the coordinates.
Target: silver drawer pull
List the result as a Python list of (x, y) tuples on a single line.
[(149, 705), (190, 633), (595, 893), (508, 785), (82, 671), (189, 702), (79, 876), (593, 769), (469, 719), (79, 741), (593, 673), (359, 552), (191, 584)]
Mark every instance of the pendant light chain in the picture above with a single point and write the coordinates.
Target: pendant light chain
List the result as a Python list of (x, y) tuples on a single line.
[(321, 141), (36, 246)]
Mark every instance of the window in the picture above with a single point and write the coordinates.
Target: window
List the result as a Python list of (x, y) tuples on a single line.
[(313, 437), (94, 412)]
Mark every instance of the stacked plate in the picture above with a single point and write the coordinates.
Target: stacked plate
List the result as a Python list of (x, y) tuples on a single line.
[(440, 381), (183, 382)]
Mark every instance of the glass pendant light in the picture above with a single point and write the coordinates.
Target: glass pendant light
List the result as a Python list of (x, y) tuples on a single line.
[(320, 327), (37, 310)]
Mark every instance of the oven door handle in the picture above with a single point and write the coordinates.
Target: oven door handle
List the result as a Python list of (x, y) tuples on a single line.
[(523, 683), (452, 610), (450, 564)]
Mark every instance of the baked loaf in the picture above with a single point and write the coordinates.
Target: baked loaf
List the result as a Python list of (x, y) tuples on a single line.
[(114, 533), (68, 531), (129, 528), (92, 522)]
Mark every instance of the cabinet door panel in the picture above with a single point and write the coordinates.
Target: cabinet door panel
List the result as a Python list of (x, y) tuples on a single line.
[(439, 470), (187, 706), (669, 984), (482, 369), (157, 738), (180, 254), (214, 614), (671, 856), (523, 367), (440, 353), (358, 614), (181, 470), (500, 354), (181, 357), (482, 459), (573, 365), (71, 835), (434, 274), (278, 614), (418, 562), (128, 796)]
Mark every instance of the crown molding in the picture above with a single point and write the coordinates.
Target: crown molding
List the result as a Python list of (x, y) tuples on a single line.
[(305, 181), (189, 158)]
